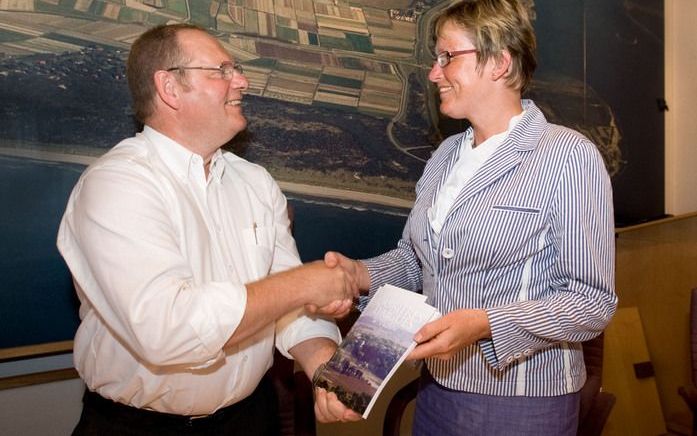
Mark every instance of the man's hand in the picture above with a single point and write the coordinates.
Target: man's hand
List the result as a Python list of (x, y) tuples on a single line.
[(353, 267), (335, 309), (328, 408), (329, 288), (358, 275), (311, 355), (446, 336)]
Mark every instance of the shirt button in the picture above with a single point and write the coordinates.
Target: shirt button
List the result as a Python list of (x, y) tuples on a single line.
[(448, 253)]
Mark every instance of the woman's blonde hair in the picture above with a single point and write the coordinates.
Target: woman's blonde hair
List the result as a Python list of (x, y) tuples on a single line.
[(494, 26)]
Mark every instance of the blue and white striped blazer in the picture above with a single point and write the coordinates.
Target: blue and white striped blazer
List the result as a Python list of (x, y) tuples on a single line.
[(530, 238)]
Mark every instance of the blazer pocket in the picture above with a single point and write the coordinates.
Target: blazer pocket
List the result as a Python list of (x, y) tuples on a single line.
[(517, 209)]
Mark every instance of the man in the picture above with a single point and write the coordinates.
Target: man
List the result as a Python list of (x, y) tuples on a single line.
[(183, 261)]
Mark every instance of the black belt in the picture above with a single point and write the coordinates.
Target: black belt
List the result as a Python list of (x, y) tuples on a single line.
[(137, 416)]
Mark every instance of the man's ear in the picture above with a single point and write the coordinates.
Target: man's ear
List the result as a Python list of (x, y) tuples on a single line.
[(168, 88), (502, 66)]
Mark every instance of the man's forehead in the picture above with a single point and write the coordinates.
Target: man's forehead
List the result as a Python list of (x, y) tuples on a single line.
[(191, 35), (195, 43)]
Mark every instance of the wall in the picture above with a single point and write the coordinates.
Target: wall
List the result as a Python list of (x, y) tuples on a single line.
[(655, 272), (50, 409), (681, 93)]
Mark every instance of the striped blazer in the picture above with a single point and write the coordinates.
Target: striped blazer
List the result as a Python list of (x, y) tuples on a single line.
[(530, 239)]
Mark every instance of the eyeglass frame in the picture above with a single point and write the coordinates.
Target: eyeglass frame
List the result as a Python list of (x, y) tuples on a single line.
[(231, 67), (443, 58)]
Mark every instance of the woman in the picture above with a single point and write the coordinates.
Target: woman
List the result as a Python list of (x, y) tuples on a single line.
[(510, 237)]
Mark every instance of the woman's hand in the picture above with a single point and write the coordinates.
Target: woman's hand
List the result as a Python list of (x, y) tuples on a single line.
[(444, 337)]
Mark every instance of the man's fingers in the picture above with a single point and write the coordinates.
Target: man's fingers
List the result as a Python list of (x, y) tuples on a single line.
[(336, 309), (331, 259), (336, 407), (350, 415), (326, 409), (320, 405)]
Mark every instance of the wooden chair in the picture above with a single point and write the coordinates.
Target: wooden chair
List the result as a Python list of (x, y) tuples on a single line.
[(689, 392), (295, 401), (595, 403)]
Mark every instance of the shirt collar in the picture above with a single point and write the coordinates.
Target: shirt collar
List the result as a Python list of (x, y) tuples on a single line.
[(493, 141), (179, 159), (217, 168)]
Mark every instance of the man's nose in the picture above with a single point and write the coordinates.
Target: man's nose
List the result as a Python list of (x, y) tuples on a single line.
[(239, 81)]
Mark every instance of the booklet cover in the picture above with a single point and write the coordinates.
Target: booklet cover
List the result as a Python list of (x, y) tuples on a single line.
[(376, 345)]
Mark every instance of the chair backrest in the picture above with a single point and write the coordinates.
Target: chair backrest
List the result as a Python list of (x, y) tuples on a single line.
[(596, 404), (295, 400), (593, 359), (693, 335)]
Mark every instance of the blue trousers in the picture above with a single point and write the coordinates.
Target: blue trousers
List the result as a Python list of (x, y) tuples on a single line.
[(441, 412)]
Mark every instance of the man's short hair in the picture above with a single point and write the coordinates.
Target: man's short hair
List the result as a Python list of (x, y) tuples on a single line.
[(494, 26), (156, 49)]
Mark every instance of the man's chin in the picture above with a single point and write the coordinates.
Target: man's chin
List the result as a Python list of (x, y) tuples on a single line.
[(237, 137)]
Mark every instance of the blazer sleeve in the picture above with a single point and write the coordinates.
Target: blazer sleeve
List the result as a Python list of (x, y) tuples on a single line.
[(582, 297)]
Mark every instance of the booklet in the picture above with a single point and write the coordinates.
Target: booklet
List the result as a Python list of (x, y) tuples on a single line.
[(375, 347)]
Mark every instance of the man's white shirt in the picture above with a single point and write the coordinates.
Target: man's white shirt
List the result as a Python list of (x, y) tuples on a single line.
[(160, 255)]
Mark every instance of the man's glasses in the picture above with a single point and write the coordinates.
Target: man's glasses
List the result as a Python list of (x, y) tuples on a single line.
[(227, 70), (443, 58)]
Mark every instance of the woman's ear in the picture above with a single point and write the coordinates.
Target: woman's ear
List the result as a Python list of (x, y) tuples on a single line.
[(168, 88), (502, 66)]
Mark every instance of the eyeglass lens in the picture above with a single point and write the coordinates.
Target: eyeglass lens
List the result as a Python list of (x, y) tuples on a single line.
[(228, 69)]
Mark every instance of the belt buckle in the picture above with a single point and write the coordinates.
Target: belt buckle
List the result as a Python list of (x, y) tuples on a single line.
[(191, 420)]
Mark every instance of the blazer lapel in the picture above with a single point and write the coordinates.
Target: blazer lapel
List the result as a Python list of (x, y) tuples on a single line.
[(522, 139), (438, 173), (501, 162)]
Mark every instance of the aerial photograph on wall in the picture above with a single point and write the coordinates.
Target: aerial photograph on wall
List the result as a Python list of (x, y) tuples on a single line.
[(339, 108)]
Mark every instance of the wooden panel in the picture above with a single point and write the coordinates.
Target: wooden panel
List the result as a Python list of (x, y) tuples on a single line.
[(35, 350), (637, 411)]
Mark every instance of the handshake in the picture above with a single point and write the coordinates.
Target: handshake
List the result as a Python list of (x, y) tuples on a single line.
[(333, 284)]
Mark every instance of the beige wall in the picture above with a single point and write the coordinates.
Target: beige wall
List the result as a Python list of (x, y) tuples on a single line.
[(681, 118)]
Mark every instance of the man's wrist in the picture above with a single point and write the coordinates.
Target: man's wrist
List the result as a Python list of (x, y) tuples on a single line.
[(318, 374)]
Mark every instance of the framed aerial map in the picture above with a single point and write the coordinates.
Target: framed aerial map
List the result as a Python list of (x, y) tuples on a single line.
[(339, 106)]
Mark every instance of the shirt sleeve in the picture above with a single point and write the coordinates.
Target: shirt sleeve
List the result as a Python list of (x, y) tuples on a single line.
[(583, 298), (297, 326), (121, 247)]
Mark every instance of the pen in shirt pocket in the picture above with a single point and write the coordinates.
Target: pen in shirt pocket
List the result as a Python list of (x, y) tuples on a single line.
[(254, 227)]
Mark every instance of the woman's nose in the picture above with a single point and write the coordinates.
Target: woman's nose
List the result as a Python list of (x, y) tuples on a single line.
[(436, 72)]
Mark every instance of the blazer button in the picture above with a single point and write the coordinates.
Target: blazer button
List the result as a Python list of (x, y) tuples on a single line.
[(448, 253)]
